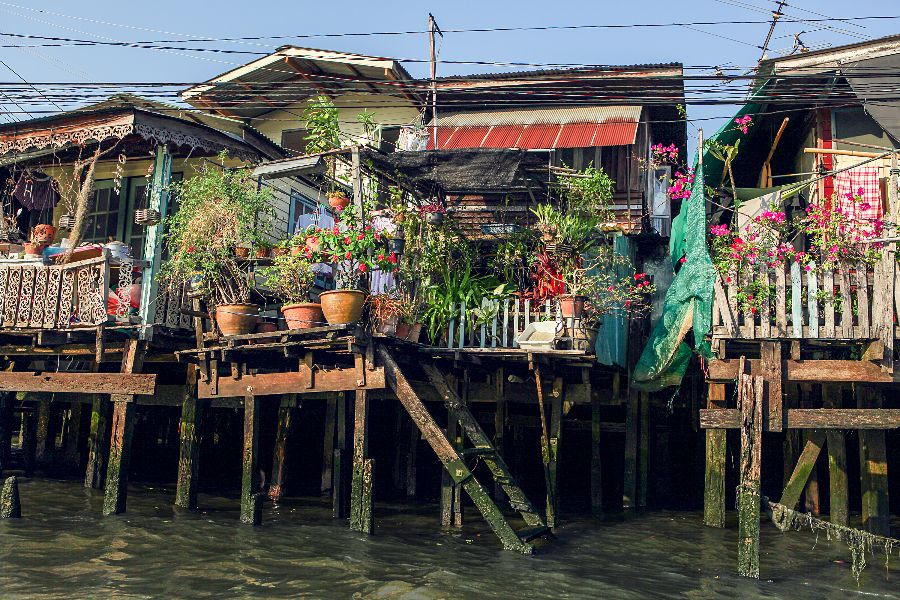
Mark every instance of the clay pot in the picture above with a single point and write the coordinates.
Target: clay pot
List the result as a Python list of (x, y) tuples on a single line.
[(338, 200), (415, 330), (237, 319), (262, 252), (279, 251), (242, 252), (43, 233), (266, 327), (572, 306), (303, 315), (584, 336), (34, 248), (342, 307), (402, 331)]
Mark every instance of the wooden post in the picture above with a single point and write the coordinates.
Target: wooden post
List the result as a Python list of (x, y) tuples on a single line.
[(499, 419), (153, 239), (411, 473), (556, 416), (42, 452), (632, 421), (873, 469), (10, 507), (328, 443), (287, 412), (644, 450), (714, 489), (750, 397), (791, 446), (596, 465), (801, 474), (250, 473), (72, 435), (338, 486), (448, 487), (771, 367), (192, 409), (811, 493), (120, 440), (6, 425), (839, 512), (29, 439), (97, 442), (361, 501)]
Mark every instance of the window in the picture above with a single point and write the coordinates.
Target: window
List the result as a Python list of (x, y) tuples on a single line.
[(306, 212), (294, 139)]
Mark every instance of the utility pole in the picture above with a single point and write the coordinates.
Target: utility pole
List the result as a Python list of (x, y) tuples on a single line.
[(775, 16), (432, 29)]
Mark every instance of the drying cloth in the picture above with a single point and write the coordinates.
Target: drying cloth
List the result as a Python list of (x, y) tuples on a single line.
[(862, 182), (36, 191)]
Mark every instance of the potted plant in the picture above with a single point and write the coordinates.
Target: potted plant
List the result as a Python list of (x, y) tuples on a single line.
[(433, 213), (43, 233), (281, 248), (263, 249), (290, 277), (351, 248), (218, 210), (384, 311), (323, 129)]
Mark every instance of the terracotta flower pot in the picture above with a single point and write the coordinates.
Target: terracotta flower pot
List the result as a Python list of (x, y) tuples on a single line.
[(43, 233), (338, 201), (415, 331), (584, 336), (342, 307), (303, 315), (237, 319), (242, 252), (572, 306), (402, 331), (297, 250), (262, 252), (279, 251), (34, 248)]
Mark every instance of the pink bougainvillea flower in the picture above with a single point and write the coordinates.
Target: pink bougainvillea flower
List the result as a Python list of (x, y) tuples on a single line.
[(683, 259), (362, 268), (349, 255)]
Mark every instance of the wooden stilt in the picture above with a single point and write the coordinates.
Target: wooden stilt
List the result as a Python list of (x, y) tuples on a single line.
[(42, 452), (338, 485), (192, 410), (556, 416), (411, 473), (873, 469), (287, 412), (714, 490), (751, 398), (632, 422), (6, 430), (499, 420), (98, 445), (791, 447), (805, 465), (250, 513), (771, 366), (72, 436), (29, 439), (644, 451), (596, 465), (120, 439), (839, 512), (448, 486), (328, 443), (401, 450), (811, 493), (361, 500), (10, 507)]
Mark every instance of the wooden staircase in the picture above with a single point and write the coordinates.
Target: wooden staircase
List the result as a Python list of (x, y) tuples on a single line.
[(455, 460)]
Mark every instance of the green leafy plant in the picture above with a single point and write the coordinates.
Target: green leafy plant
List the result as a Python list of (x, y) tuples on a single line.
[(290, 277), (218, 210)]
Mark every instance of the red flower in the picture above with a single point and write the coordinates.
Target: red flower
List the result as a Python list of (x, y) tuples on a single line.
[(347, 240), (683, 259), (393, 258), (190, 249), (381, 256), (361, 236), (362, 268), (349, 255), (639, 276)]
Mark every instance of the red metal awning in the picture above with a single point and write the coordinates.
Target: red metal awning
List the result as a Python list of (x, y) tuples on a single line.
[(536, 137)]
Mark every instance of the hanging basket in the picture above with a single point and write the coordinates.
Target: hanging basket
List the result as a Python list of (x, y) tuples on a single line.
[(146, 217), (67, 221)]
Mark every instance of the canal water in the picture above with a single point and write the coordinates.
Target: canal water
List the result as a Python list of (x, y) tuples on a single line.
[(63, 548)]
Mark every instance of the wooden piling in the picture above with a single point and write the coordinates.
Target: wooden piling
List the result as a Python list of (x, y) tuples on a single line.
[(250, 471), (811, 493), (873, 469), (714, 488), (6, 430), (361, 501), (411, 472), (643, 462), (596, 465), (328, 443), (556, 416), (98, 445), (72, 436), (839, 512), (500, 412), (29, 439), (632, 422), (116, 488), (192, 410), (287, 413), (338, 484), (448, 486), (751, 398), (10, 507), (42, 453)]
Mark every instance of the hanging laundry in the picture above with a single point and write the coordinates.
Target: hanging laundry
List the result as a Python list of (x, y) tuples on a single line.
[(862, 182), (36, 191)]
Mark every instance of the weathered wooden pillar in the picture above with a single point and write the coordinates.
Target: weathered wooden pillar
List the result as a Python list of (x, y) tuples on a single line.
[(192, 410), (632, 422), (361, 497), (792, 445), (411, 473), (6, 429), (644, 451), (328, 443), (839, 512), (72, 435), (250, 514), (556, 416), (10, 507), (499, 421), (97, 443), (42, 453), (714, 488), (873, 468), (287, 413), (751, 398), (811, 493), (338, 485), (116, 489), (119, 454), (29, 438), (596, 465)]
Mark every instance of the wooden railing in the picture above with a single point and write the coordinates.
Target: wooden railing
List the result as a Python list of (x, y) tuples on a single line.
[(509, 319), (846, 302), (34, 295)]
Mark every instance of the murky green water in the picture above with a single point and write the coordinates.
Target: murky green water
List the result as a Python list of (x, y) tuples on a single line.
[(63, 548)]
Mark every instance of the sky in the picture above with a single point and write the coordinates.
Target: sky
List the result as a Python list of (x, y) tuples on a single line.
[(699, 48)]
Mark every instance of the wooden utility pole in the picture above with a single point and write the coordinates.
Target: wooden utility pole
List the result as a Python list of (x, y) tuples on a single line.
[(432, 29), (776, 14)]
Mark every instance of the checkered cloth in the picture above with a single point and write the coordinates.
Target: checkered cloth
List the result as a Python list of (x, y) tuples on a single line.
[(864, 182)]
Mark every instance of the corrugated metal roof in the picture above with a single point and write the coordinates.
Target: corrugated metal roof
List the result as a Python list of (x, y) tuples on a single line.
[(543, 116), (610, 70), (537, 137)]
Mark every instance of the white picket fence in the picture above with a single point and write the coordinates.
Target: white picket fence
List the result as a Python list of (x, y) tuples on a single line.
[(510, 319)]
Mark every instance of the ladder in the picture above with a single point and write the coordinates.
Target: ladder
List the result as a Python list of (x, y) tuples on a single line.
[(455, 460)]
